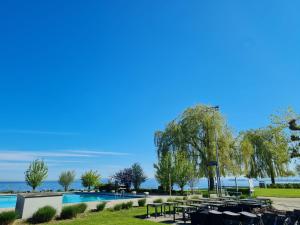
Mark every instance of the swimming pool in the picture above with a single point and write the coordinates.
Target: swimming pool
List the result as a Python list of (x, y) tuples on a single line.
[(9, 201)]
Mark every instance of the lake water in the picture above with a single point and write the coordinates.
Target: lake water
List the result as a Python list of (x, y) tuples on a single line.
[(150, 183)]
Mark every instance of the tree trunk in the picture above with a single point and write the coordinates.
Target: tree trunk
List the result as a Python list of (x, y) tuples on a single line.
[(211, 181), (272, 179)]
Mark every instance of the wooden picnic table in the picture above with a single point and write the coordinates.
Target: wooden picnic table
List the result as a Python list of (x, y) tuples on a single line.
[(155, 205), (184, 210)]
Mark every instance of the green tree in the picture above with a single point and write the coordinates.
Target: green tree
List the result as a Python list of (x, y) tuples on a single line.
[(90, 179), (36, 173), (138, 176), (183, 169), (66, 178), (298, 169), (199, 131), (165, 172), (265, 153)]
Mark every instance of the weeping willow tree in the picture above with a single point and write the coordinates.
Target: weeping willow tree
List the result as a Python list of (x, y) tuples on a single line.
[(265, 153), (198, 132)]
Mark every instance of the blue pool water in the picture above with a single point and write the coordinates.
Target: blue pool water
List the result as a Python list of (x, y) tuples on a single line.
[(9, 201)]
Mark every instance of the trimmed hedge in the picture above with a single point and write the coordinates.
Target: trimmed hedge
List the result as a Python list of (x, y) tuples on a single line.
[(100, 207), (8, 217), (159, 200), (80, 207), (243, 191), (142, 202), (42, 215), (287, 185), (68, 212), (117, 207)]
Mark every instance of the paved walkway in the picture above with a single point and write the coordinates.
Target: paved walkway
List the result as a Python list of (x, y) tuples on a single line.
[(286, 203)]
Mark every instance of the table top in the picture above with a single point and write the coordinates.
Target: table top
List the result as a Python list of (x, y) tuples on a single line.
[(154, 204), (171, 203), (184, 206)]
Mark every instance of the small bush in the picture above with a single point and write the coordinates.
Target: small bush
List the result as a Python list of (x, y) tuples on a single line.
[(170, 199), (68, 212), (42, 215), (117, 207), (126, 205), (8, 217), (100, 207), (142, 202), (185, 198), (178, 198), (80, 207), (206, 195), (159, 200)]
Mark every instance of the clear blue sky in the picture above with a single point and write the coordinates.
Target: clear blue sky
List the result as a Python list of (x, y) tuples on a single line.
[(84, 84)]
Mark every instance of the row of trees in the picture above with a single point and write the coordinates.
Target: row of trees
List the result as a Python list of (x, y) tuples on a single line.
[(192, 140), (38, 172)]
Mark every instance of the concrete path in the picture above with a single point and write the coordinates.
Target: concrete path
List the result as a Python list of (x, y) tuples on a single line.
[(286, 203)]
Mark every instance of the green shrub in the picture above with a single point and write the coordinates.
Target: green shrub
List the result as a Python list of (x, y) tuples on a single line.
[(159, 200), (170, 199), (206, 195), (100, 207), (178, 198), (80, 208), (117, 207), (142, 202), (68, 212), (8, 217), (126, 205), (42, 215), (185, 198)]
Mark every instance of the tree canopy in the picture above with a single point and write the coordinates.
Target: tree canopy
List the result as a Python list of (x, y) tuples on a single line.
[(264, 152), (66, 178), (138, 175), (199, 131), (90, 179), (36, 173)]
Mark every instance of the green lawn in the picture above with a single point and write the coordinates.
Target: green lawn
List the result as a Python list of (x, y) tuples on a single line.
[(123, 217), (280, 193)]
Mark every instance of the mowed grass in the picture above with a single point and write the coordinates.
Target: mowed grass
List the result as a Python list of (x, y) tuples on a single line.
[(280, 193), (134, 216)]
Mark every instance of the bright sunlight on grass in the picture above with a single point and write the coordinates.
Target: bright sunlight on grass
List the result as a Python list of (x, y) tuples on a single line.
[(280, 193)]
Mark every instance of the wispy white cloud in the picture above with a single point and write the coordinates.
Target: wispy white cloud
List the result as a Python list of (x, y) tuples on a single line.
[(29, 155), (39, 132), (101, 153)]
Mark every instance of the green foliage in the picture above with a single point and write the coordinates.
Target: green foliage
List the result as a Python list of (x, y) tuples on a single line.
[(170, 199), (80, 207), (138, 176), (66, 178), (287, 186), (100, 206), (127, 205), (183, 169), (36, 173), (8, 217), (42, 215), (159, 200), (243, 191), (68, 212), (90, 179), (142, 202), (198, 132), (264, 153), (206, 194), (298, 169), (117, 207), (165, 172)]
